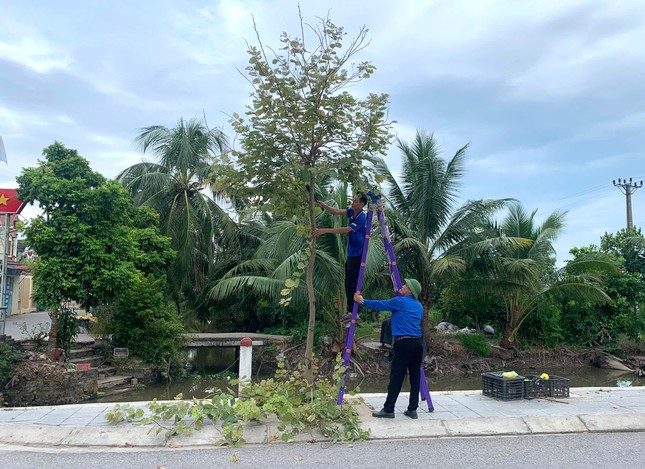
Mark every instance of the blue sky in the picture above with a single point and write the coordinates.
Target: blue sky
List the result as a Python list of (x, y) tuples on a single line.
[(550, 94)]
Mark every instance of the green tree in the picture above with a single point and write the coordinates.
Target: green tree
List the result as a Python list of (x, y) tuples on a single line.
[(145, 322), (433, 236), (525, 276), (602, 324), (90, 239), (176, 186), (303, 127)]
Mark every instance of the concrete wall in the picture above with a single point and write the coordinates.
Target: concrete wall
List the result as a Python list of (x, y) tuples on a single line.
[(21, 298)]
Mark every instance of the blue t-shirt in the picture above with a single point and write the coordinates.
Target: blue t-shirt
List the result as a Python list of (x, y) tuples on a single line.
[(356, 237), (407, 313)]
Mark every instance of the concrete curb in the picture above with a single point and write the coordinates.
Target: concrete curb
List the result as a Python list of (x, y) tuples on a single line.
[(147, 436), (593, 410)]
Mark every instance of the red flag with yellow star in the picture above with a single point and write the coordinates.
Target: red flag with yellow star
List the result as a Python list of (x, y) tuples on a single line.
[(9, 202)]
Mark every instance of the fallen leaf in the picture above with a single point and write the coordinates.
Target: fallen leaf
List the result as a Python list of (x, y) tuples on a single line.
[(297, 457), (234, 458), (128, 445), (174, 445)]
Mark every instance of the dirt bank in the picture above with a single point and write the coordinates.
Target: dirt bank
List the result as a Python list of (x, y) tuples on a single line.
[(447, 356)]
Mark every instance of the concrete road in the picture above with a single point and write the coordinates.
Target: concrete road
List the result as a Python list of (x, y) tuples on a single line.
[(571, 451), (34, 322)]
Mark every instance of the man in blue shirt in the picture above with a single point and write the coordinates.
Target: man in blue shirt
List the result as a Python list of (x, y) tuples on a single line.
[(356, 237), (407, 351)]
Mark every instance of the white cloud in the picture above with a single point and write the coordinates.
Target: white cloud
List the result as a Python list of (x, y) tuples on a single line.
[(35, 52), (18, 122)]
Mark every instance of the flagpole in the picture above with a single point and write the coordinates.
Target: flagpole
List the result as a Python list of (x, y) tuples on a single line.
[(3, 280)]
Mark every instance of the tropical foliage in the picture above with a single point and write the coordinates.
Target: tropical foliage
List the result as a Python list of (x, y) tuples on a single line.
[(175, 185), (603, 324), (91, 240), (145, 322), (524, 275)]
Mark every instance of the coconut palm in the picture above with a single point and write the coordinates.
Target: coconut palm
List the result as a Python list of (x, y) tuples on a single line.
[(176, 187), (280, 255), (434, 235), (525, 275)]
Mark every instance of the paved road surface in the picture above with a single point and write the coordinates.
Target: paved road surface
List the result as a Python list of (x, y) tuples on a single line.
[(573, 451)]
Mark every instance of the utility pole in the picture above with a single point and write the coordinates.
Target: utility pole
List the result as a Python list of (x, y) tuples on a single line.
[(628, 188)]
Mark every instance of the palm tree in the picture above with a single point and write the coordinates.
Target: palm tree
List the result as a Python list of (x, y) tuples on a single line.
[(176, 187), (279, 256), (525, 275), (432, 234)]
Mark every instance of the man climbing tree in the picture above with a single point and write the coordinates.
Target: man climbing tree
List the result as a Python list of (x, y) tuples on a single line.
[(355, 237)]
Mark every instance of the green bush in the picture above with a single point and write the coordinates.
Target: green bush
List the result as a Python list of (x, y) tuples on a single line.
[(462, 309), (475, 344), (8, 357), (67, 328), (145, 322)]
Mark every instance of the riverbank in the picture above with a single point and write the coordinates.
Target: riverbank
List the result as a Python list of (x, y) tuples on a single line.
[(448, 357)]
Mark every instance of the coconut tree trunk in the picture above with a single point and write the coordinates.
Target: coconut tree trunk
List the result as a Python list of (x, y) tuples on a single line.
[(426, 301), (505, 340)]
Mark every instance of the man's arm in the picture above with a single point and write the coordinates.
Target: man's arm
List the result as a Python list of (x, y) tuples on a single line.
[(379, 305), (322, 231), (332, 210)]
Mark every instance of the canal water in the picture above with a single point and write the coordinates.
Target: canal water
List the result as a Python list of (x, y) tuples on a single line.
[(209, 364)]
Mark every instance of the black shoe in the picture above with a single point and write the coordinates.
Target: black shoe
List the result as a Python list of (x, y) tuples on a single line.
[(381, 414), (411, 413)]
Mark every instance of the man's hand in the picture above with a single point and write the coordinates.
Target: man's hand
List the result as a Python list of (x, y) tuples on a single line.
[(319, 231), (358, 298), (321, 204)]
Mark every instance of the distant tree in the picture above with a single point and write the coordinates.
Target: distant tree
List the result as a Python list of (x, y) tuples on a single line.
[(302, 127), (176, 186), (525, 276), (602, 324), (91, 240)]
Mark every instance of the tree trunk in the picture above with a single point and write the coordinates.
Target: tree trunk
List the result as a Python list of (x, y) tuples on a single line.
[(53, 330), (309, 347), (505, 340), (426, 301), (508, 336)]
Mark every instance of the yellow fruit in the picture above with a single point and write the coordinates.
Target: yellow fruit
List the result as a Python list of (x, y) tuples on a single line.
[(544, 376)]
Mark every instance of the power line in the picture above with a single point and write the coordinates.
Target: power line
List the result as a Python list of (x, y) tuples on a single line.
[(570, 200)]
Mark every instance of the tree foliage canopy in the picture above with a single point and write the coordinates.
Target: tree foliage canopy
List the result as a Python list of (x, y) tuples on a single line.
[(91, 241), (302, 123)]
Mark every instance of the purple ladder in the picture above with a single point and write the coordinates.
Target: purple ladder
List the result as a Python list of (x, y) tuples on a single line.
[(396, 280)]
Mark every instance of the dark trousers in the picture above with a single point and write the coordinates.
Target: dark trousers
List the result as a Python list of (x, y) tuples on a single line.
[(406, 356), (352, 267)]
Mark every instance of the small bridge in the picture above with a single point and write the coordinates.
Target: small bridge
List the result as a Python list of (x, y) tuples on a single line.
[(230, 339)]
